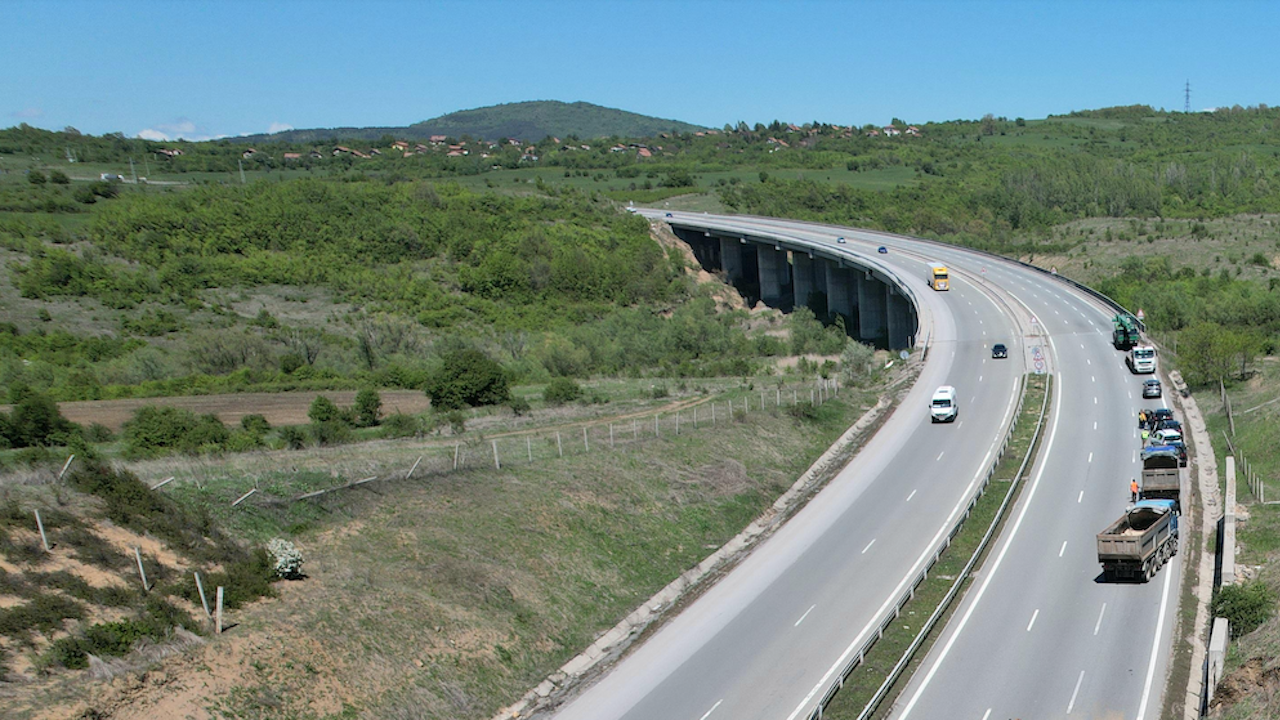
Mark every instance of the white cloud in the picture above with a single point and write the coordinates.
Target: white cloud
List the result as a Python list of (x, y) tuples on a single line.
[(279, 127), (180, 129), (27, 113)]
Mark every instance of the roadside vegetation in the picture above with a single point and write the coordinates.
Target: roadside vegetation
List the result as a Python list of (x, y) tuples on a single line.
[(508, 286)]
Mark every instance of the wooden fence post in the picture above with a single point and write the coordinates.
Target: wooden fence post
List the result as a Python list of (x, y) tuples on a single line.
[(203, 600), (559, 446), (137, 554), (457, 448), (528, 445), (497, 464), (408, 474), (66, 465), (218, 617), (44, 540)]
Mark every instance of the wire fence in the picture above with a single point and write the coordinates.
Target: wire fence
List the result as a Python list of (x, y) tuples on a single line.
[(531, 447)]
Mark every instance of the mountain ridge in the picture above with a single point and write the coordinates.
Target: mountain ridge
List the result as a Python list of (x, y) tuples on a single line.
[(529, 121)]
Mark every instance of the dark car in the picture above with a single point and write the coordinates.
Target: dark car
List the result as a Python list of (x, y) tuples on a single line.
[(670, 215), (999, 351), (882, 250), (1161, 414), (1151, 388), (1168, 424)]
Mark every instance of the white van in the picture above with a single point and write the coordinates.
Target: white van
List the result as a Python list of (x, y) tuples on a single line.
[(944, 405)]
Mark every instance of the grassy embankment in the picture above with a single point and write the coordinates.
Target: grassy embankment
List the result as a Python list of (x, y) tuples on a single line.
[(1250, 689), (451, 594)]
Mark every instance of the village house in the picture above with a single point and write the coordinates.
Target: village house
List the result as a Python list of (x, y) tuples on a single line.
[(292, 156), (439, 139)]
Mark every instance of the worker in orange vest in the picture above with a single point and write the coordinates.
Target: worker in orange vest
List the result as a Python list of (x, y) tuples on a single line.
[(1133, 489)]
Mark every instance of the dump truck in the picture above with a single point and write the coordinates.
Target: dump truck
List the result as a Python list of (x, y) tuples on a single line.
[(1124, 332), (1141, 359), (1160, 476), (1140, 542)]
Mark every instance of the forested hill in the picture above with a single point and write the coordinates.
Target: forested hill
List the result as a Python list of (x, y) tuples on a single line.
[(530, 121)]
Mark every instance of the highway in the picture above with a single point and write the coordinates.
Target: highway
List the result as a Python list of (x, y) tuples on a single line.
[(1037, 636)]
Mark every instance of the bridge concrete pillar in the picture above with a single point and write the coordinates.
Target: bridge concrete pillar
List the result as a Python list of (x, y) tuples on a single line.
[(900, 318), (839, 290), (731, 258), (802, 280), (872, 304), (770, 261)]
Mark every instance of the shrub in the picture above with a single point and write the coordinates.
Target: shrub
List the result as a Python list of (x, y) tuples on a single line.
[(244, 441), (561, 390), (519, 406), (1246, 606), (99, 433), (368, 407), (293, 437), (36, 420), (332, 432), (286, 558), (44, 612), (155, 430), (323, 410), (467, 377), (255, 424), (803, 411), (57, 177), (397, 425)]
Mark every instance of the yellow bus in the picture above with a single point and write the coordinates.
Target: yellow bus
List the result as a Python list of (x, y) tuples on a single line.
[(938, 277)]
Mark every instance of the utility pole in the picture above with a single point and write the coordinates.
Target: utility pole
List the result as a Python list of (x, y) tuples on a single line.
[(241, 164), (1187, 106), (133, 172)]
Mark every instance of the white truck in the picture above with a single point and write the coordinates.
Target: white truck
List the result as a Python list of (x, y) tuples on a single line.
[(944, 405), (1141, 359)]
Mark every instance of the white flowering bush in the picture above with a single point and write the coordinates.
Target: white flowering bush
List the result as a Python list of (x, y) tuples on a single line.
[(287, 557)]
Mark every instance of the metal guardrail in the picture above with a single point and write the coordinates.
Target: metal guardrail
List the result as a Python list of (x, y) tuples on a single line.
[(892, 613)]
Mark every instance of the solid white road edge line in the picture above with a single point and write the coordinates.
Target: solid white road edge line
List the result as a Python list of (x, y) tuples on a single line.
[(986, 581), (713, 709), (1155, 648), (848, 651)]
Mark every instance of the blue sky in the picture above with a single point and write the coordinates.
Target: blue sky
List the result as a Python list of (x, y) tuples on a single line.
[(207, 69)]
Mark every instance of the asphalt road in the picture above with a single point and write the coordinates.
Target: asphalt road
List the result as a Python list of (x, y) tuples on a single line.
[(1039, 635), (769, 637)]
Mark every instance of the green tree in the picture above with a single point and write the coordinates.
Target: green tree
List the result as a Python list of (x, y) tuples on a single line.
[(35, 177), (36, 420), (57, 177), (368, 407), (858, 363), (467, 377), (561, 390), (1207, 352), (323, 410)]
